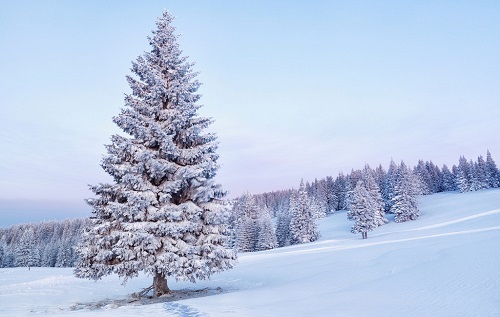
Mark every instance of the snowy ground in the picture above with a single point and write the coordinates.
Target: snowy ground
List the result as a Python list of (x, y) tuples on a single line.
[(447, 263)]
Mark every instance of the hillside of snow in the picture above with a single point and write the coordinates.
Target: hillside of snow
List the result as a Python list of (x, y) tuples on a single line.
[(447, 263)]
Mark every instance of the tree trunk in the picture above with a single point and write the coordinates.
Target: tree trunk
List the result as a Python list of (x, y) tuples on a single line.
[(365, 235), (160, 285)]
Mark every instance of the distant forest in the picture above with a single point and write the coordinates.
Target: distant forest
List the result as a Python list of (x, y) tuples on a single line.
[(274, 219), (48, 244)]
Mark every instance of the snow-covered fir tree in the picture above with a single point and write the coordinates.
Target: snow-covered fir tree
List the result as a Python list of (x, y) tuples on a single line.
[(246, 214), (448, 180), (266, 238), (422, 172), (388, 189), (367, 205), (247, 235), (27, 253), (332, 197), (492, 173), (3, 246), (377, 203), (164, 214), (480, 173), (303, 227), (407, 188), (7, 256), (321, 197), (349, 193), (361, 211), (464, 179), (64, 256), (340, 191), (318, 209), (253, 227), (283, 226)]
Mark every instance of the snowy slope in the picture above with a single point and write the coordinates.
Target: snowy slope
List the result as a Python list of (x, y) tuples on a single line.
[(447, 263)]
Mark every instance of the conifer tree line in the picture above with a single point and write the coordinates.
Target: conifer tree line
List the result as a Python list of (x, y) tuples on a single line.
[(46, 244), (368, 195), (253, 228)]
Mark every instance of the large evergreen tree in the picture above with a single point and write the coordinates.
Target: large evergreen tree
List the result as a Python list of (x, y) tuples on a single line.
[(163, 214)]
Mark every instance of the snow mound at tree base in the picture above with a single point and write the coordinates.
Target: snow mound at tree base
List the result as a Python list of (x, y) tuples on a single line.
[(174, 295)]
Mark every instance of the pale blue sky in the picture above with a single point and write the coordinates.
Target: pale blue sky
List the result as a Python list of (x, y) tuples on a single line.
[(299, 89)]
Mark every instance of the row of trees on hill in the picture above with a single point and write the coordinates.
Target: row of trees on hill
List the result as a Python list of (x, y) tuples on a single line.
[(332, 193), (252, 226), (47, 244), (367, 195)]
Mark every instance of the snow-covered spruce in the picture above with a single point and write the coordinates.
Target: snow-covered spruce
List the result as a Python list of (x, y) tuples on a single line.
[(163, 214), (303, 227), (253, 228), (367, 205), (27, 254), (404, 203), (283, 227)]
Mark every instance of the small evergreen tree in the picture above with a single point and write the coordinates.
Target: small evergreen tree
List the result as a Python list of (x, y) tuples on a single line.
[(340, 189), (303, 228), (448, 180), (317, 209), (376, 201), (266, 238), (247, 235), (388, 189), (247, 215), (464, 179), (27, 253), (492, 173), (332, 196), (349, 193), (283, 227), (3, 246), (362, 211), (407, 188), (481, 173)]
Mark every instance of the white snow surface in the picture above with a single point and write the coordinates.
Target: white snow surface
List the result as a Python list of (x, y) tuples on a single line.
[(446, 263)]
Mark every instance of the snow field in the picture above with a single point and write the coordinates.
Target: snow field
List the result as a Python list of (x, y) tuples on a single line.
[(447, 263)]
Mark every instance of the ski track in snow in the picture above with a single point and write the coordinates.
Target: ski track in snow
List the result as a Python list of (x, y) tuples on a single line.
[(337, 245), (371, 244), (447, 223), (181, 310)]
